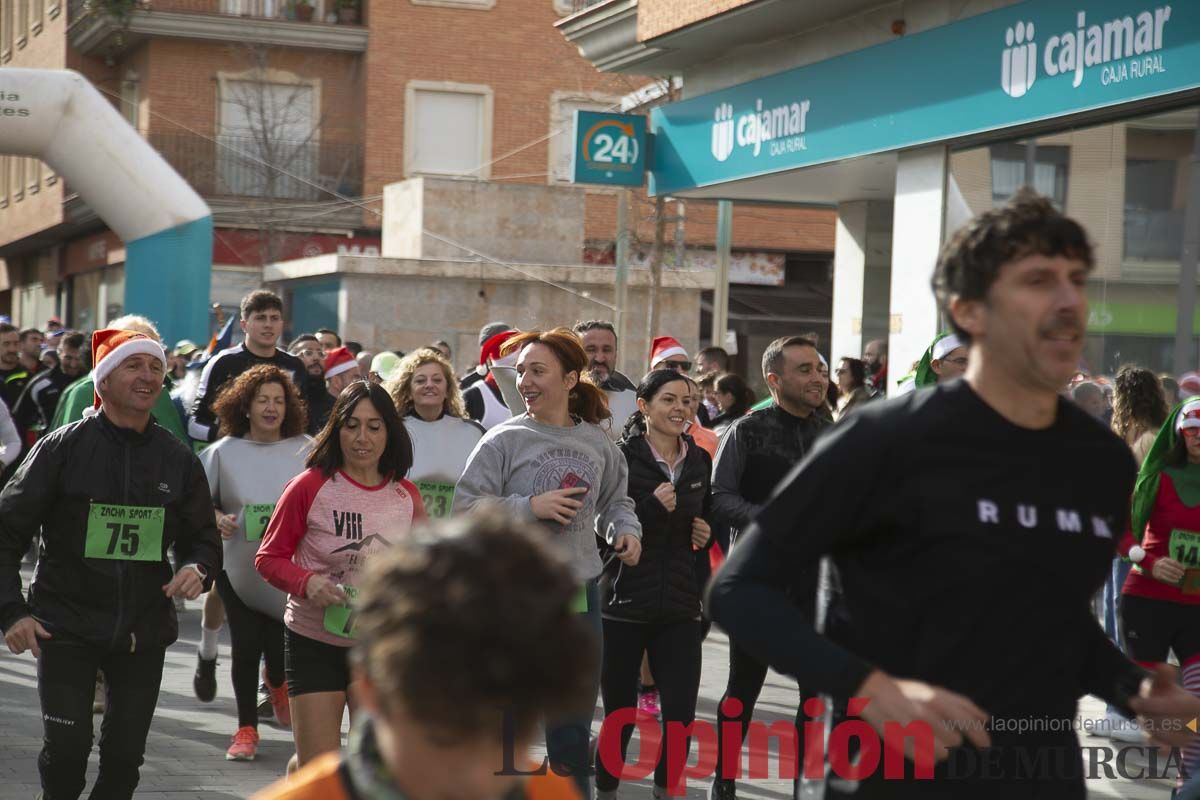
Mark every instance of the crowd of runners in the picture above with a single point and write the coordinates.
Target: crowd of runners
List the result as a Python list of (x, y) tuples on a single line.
[(467, 563)]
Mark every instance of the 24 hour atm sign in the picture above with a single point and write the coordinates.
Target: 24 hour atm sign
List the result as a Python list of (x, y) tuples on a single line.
[(609, 148)]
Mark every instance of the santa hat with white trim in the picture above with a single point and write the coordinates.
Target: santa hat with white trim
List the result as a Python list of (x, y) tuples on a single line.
[(663, 347), (111, 346), (339, 360)]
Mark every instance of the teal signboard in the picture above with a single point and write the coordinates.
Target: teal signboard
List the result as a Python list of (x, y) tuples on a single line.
[(609, 148), (1025, 63)]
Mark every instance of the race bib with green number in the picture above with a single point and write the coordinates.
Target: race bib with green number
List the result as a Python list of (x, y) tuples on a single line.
[(256, 516), (1185, 548), (437, 497), (124, 533), (343, 620)]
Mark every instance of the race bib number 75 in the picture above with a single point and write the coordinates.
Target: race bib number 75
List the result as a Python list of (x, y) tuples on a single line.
[(124, 533)]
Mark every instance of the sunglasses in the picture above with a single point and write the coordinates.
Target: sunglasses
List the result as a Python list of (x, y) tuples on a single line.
[(1191, 433), (682, 366)]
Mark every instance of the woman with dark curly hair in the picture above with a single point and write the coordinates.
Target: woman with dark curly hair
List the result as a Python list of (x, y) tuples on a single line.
[(1139, 409), (263, 446)]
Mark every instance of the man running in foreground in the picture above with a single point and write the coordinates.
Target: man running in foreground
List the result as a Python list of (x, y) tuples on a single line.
[(971, 524), (110, 495)]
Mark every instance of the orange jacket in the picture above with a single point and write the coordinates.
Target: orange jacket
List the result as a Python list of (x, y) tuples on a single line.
[(322, 780)]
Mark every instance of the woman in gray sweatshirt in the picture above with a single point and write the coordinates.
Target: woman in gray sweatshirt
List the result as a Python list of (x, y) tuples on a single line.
[(554, 464)]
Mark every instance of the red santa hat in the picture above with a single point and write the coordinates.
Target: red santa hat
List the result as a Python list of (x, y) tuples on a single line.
[(111, 346), (490, 354), (339, 360), (663, 347)]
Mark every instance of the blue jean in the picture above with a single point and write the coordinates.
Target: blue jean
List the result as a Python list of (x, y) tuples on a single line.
[(1112, 596), (568, 740)]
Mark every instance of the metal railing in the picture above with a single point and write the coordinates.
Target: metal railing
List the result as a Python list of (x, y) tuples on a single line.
[(259, 167), (308, 11)]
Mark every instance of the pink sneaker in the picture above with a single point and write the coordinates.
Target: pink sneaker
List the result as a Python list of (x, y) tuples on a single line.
[(648, 703), (245, 745), (279, 702)]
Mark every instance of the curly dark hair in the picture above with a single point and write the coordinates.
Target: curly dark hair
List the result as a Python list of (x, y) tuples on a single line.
[(436, 645), (232, 405), (1138, 402), (1028, 224)]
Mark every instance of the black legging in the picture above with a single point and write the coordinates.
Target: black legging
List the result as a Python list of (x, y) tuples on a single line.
[(674, 653), (254, 636)]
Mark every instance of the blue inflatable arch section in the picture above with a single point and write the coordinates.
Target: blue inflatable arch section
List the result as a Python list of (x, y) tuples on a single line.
[(59, 117)]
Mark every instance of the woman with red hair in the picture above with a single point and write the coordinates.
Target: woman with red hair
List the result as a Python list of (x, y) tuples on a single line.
[(556, 465)]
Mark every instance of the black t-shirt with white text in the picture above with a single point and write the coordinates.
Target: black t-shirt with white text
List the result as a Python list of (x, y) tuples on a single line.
[(968, 551)]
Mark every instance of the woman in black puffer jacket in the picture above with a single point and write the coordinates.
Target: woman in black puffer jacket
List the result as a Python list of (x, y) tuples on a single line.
[(654, 607)]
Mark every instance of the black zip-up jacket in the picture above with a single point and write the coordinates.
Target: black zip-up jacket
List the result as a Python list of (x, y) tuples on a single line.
[(39, 400), (115, 605), (664, 586)]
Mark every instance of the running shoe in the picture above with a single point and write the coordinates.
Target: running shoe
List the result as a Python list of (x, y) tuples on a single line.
[(204, 682), (279, 704), (265, 710), (648, 703), (245, 745)]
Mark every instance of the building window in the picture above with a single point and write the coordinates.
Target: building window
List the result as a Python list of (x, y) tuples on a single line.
[(448, 130), (269, 138), (1050, 168), (562, 128), (1153, 223), (476, 4), (129, 101)]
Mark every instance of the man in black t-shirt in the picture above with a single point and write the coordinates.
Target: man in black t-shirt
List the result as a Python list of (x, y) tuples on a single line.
[(970, 525)]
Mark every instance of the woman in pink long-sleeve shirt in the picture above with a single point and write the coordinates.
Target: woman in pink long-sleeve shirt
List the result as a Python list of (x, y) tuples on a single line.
[(351, 502)]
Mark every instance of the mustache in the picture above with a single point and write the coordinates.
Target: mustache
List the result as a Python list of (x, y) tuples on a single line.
[(1070, 324)]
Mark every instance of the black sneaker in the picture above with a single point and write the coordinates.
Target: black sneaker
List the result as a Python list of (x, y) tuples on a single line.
[(204, 683), (722, 790), (266, 711)]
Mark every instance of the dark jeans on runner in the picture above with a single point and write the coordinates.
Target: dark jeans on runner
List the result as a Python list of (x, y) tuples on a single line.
[(675, 656), (568, 740), (253, 635), (66, 684)]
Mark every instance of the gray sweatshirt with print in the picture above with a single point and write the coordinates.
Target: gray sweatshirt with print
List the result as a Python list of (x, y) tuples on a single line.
[(521, 458)]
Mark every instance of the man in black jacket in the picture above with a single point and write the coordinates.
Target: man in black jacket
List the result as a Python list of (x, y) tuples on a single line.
[(317, 398), (756, 453), (110, 495), (39, 400), (262, 322), (600, 343), (970, 525)]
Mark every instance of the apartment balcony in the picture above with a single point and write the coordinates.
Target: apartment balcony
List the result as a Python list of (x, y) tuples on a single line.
[(109, 27), (249, 181)]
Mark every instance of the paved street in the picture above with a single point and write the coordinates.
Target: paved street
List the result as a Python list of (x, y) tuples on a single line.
[(188, 740)]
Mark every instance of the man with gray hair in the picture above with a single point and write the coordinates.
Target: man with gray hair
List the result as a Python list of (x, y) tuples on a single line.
[(1090, 397)]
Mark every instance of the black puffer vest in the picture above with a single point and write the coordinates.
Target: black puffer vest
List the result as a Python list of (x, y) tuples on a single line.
[(663, 587)]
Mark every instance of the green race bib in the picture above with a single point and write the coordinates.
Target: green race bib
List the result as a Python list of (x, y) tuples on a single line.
[(256, 516), (1185, 548), (437, 497), (124, 533), (342, 620)]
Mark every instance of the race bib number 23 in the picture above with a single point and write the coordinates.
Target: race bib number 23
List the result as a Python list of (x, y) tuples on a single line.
[(124, 533)]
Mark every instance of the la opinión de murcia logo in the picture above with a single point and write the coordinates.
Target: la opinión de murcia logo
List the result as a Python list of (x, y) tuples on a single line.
[(1125, 48), (781, 127)]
